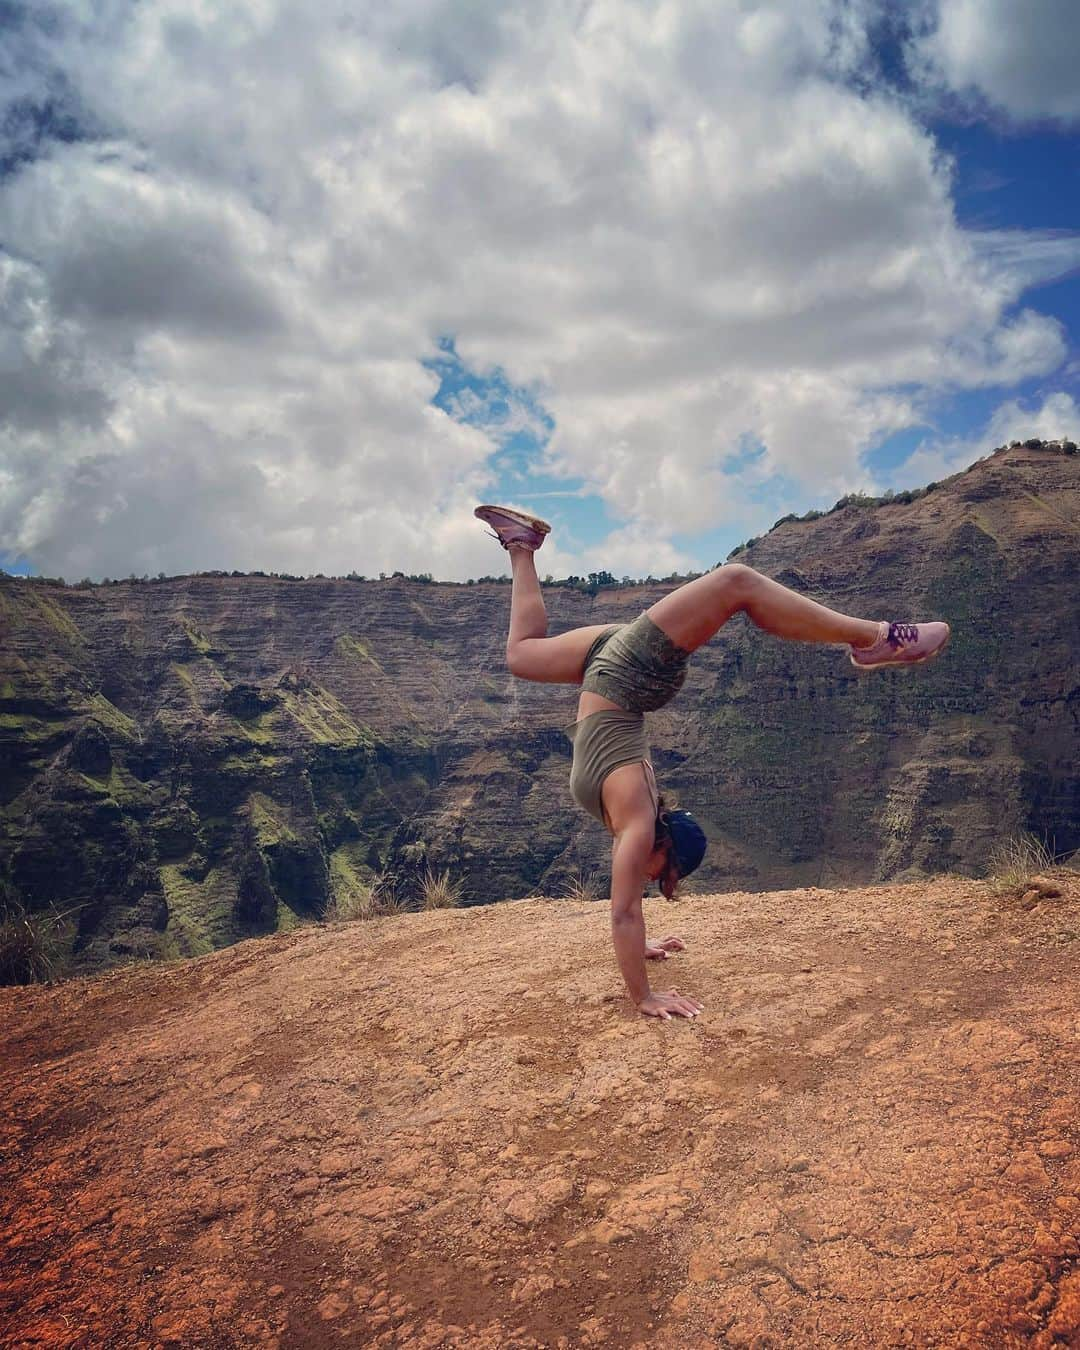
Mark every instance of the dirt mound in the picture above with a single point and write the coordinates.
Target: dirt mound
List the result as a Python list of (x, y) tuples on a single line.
[(451, 1130)]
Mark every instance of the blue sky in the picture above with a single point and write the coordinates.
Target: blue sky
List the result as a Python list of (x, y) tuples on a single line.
[(661, 272)]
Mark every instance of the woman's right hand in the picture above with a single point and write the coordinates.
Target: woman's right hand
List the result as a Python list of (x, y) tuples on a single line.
[(668, 1004)]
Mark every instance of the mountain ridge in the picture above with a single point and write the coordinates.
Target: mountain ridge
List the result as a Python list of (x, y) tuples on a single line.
[(200, 759)]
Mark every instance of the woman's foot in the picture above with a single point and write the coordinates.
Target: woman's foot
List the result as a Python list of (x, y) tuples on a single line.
[(512, 528), (902, 644)]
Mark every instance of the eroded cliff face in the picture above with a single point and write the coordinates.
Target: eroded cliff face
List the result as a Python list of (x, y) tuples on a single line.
[(196, 760)]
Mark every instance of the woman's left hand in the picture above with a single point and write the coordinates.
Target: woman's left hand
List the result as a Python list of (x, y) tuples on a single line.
[(658, 951)]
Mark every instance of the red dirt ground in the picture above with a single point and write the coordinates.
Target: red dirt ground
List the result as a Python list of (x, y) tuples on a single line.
[(449, 1129)]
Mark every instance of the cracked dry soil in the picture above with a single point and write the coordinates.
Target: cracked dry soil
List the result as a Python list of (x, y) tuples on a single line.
[(449, 1129)]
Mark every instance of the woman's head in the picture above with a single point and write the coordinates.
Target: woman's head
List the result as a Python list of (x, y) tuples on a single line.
[(683, 843)]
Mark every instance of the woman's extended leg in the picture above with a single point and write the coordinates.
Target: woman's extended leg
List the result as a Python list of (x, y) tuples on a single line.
[(693, 613), (530, 653)]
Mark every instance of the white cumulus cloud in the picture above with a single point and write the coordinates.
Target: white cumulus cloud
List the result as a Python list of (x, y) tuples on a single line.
[(1019, 56), (1057, 418), (236, 237)]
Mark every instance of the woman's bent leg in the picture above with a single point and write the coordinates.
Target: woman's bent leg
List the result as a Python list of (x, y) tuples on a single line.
[(691, 615), (530, 653)]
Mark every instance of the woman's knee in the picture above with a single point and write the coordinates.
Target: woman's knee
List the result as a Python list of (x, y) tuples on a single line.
[(738, 581)]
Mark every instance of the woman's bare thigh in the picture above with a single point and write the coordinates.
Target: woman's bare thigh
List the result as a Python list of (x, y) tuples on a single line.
[(554, 660), (692, 613)]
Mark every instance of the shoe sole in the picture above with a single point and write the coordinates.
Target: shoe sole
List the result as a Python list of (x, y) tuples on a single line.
[(531, 522), (885, 665)]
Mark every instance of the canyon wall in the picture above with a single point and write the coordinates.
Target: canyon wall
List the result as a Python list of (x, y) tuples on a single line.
[(190, 761)]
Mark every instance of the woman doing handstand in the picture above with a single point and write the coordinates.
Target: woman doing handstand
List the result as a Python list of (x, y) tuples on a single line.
[(627, 670)]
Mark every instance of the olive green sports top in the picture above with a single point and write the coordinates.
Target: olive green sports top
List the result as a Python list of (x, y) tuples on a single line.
[(603, 741)]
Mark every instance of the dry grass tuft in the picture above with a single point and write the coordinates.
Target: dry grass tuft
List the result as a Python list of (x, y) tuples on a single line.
[(30, 946), (370, 900), (387, 900), (437, 891), (581, 886), (347, 905), (1014, 862)]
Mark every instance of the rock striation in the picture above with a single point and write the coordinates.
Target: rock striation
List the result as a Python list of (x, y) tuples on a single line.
[(187, 762)]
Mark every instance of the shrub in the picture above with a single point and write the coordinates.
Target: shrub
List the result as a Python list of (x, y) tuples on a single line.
[(30, 946), (437, 891)]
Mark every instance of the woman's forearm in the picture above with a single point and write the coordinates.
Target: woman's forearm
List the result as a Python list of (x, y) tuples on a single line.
[(628, 936)]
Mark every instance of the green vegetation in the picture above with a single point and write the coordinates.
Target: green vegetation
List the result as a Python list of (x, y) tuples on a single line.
[(56, 617), (287, 919), (183, 675), (358, 893), (861, 500), (200, 912), (99, 787), (595, 582), (110, 715), (324, 717), (352, 895), (34, 728), (356, 896), (749, 543), (267, 821), (260, 730), (196, 637), (348, 645)]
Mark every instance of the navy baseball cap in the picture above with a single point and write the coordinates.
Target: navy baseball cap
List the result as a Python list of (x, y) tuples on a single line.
[(687, 840)]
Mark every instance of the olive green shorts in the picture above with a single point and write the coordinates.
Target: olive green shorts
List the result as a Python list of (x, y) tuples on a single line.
[(635, 665)]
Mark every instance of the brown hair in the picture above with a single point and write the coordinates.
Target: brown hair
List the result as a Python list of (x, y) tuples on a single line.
[(663, 835), (663, 806)]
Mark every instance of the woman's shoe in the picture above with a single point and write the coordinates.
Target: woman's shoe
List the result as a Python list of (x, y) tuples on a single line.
[(512, 528), (902, 644)]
